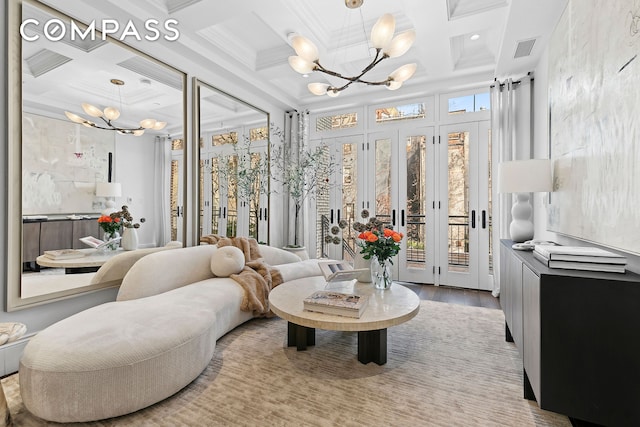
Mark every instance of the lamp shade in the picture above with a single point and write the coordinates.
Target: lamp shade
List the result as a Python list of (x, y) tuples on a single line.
[(382, 31), (108, 189), (403, 73), (400, 44), (525, 176), (305, 48)]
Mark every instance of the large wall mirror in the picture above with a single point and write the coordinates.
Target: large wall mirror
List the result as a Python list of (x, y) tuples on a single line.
[(233, 159), (55, 164)]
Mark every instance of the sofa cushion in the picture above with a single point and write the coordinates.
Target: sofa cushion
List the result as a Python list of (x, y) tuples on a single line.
[(300, 269), (226, 261), (166, 270), (277, 256)]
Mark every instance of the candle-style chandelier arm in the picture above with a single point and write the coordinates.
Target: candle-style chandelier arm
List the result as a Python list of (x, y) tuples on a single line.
[(385, 44), (357, 78), (109, 114)]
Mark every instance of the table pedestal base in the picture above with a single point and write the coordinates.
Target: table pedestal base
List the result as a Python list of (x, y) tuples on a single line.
[(372, 345)]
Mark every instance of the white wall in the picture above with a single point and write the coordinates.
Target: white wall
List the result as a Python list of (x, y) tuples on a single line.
[(134, 169), (541, 151)]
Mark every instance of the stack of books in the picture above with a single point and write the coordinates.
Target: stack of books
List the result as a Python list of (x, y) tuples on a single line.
[(64, 254), (337, 303), (580, 258)]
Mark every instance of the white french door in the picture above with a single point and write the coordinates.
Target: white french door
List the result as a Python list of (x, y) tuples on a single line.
[(230, 204), (433, 189), (176, 187), (416, 189), (344, 200), (463, 205)]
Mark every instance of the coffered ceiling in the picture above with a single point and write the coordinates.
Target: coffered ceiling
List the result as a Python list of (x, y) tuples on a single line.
[(246, 42)]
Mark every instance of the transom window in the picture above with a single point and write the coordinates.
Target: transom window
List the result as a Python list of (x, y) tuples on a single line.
[(338, 121), (224, 138), (469, 103), (400, 112)]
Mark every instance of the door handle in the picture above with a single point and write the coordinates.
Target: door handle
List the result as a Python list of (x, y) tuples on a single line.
[(177, 210), (338, 215), (224, 212), (331, 218), (484, 219), (265, 214), (393, 217), (473, 219), (260, 214), (402, 218)]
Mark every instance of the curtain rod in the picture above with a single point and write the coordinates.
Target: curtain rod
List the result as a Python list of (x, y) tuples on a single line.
[(517, 82)]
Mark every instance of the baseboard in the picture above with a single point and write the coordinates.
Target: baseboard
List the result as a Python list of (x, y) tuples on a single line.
[(10, 355)]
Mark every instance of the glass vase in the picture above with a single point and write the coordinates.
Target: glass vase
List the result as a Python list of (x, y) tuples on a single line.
[(381, 273), (360, 262), (113, 245)]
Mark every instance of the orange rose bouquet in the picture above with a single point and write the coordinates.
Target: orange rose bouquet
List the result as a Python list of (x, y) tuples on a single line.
[(377, 239), (110, 224), (383, 244)]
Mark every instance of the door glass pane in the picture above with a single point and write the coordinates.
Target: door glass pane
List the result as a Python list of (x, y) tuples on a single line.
[(349, 198), (173, 198), (458, 185), (254, 199), (416, 195), (215, 196), (383, 180), (201, 195), (232, 197)]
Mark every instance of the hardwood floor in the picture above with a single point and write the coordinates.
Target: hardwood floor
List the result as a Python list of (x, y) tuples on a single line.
[(455, 295)]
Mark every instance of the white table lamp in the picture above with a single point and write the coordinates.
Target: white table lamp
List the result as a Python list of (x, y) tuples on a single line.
[(523, 177), (109, 190)]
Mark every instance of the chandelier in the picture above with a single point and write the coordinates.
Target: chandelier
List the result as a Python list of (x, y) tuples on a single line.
[(382, 39), (109, 115)]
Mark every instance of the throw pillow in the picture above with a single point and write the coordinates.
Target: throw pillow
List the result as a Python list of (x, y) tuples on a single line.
[(226, 261)]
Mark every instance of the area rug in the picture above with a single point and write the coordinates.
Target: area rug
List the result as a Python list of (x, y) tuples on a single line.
[(449, 366)]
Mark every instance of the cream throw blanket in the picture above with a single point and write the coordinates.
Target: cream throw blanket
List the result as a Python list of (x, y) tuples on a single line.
[(257, 278)]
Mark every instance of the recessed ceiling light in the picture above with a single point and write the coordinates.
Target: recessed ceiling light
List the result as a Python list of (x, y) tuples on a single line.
[(475, 37)]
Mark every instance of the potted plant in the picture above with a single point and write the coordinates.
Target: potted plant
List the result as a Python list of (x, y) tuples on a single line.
[(302, 173), (130, 233)]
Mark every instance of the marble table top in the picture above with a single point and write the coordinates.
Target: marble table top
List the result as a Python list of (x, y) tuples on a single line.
[(93, 258), (385, 308)]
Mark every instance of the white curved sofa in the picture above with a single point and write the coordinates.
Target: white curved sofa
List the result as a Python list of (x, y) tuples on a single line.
[(159, 335)]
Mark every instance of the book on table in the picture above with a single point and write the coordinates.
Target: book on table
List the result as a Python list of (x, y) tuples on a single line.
[(579, 254), (97, 243), (64, 254), (338, 303), (339, 271), (575, 265)]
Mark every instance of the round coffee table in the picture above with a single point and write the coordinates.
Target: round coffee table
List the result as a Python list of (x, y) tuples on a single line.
[(384, 309), (90, 262)]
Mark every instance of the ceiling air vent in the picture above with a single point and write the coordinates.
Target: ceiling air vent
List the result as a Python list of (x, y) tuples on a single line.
[(44, 61), (524, 48)]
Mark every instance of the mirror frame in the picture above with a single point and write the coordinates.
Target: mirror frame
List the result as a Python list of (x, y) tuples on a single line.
[(196, 85), (14, 157)]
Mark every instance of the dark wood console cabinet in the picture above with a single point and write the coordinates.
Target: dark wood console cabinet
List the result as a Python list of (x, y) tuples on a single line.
[(55, 233), (578, 333)]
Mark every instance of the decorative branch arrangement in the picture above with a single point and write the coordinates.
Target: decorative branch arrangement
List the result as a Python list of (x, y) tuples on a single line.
[(305, 178)]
